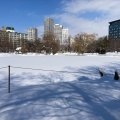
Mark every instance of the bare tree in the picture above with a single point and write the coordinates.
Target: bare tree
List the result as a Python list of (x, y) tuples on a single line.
[(51, 44), (5, 43)]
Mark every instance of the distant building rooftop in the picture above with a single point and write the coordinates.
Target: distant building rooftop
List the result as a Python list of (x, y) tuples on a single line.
[(114, 21), (10, 28)]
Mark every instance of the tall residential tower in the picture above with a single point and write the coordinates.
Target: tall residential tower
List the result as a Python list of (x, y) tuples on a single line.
[(48, 26), (114, 30), (58, 32), (65, 35), (32, 34)]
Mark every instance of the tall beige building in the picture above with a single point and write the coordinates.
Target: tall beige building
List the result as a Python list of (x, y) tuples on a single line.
[(65, 34), (58, 32), (16, 38), (8, 33), (32, 34), (48, 26)]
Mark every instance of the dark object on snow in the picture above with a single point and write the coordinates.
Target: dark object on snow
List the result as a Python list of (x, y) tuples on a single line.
[(101, 73), (116, 76)]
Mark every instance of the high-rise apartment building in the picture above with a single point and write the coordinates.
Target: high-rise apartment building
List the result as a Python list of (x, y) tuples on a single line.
[(58, 32), (16, 38), (48, 26), (65, 35), (32, 34), (114, 30)]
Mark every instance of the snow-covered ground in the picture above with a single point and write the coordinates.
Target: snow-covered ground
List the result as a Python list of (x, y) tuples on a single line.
[(60, 87)]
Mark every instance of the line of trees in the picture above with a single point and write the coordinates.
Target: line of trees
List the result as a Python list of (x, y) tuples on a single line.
[(90, 44), (5, 45), (49, 44)]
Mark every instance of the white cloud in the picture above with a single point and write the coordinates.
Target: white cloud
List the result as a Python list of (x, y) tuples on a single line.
[(73, 11), (76, 6)]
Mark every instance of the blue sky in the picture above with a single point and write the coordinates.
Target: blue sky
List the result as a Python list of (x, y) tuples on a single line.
[(23, 14), (89, 16)]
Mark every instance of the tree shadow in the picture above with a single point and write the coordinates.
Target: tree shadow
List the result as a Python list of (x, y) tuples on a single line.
[(53, 96)]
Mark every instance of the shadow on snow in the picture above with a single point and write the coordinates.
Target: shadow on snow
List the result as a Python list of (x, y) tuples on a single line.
[(86, 97)]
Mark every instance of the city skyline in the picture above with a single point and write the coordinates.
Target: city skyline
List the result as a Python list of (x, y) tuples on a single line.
[(89, 16)]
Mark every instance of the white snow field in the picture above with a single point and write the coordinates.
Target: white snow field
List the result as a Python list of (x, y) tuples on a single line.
[(59, 87)]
